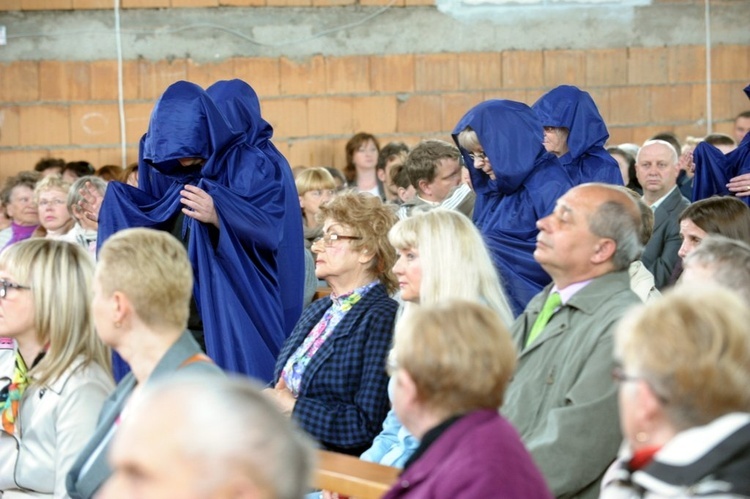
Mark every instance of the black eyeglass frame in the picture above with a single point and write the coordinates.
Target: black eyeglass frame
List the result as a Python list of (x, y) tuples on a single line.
[(4, 285)]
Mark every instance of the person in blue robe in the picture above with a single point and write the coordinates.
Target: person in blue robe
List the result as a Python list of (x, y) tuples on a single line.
[(517, 182), (582, 152), (720, 174), (225, 200), (240, 105)]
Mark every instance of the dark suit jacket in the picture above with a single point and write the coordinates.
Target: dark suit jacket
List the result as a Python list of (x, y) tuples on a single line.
[(86, 484), (660, 254), (343, 397)]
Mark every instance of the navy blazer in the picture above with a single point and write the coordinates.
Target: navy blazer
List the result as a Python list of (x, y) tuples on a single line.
[(343, 397)]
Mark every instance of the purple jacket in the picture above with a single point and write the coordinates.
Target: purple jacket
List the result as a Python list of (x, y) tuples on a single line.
[(480, 455)]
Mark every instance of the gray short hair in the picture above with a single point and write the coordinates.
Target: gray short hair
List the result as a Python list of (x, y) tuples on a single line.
[(622, 224), (727, 259), (250, 434)]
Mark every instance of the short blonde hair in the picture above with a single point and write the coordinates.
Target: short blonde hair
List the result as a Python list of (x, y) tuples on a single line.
[(468, 139), (152, 269), (59, 274), (459, 354), (448, 240), (313, 179), (371, 220), (692, 347), (51, 182)]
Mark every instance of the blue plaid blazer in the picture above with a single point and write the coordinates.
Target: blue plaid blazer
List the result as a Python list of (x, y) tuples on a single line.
[(343, 396)]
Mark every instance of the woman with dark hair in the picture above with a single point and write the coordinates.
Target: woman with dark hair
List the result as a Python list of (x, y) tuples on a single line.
[(723, 215), (362, 152)]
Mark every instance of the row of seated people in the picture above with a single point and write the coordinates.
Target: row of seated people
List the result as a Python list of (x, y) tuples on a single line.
[(450, 360), (354, 260)]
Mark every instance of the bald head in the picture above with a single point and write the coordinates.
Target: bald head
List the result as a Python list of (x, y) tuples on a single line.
[(594, 230)]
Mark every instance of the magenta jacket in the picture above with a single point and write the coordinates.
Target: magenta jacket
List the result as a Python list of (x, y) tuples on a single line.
[(480, 455)]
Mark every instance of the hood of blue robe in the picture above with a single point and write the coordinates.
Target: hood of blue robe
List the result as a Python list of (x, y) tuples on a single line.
[(511, 136), (570, 107)]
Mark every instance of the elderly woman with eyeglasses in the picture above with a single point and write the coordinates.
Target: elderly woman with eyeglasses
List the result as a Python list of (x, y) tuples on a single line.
[(51, 398), (51, 196), (684, 398), (330, 376)]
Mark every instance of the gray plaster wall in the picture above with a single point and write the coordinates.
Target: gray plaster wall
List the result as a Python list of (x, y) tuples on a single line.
[(214, 34)]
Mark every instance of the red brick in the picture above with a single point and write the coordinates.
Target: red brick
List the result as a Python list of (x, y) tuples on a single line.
[(628, 106), (136, 121), (94, 124), (376, 114), (601, 99), (288, 3), (564, 67), (44, 125), (113, 156), (514, 95), (523, 69), (155, 77), (92, 4), (689, 130), (19, 82), (396, 3), (9, 126), (311, 153), (7, 5), (648, 65), (480, 70), (261, 73), (730, 62), (194, 3), (455, 107), (302, 78), (143, 4), (414, 3), (392, 73), (46, 4), (420, 114), (670, 103), (289, 117), (339, 152), (721, 101), (436, 72), (104, 80), (687, 64), (243, 3), (644, 132), (332, 3), (330, 116), (620, 135), (606, 67), (64, 81), (13, 161), (347, 74), (206, 74)]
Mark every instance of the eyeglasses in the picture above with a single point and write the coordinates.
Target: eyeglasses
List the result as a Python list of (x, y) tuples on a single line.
[(329, 239), (478, 156), (620, 376), (4, 285), (51, 202)]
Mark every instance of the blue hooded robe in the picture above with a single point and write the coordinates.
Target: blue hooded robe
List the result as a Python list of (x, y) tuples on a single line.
[(529, 180), (240, 105), (236, 270), (714, 169), (586, 160)]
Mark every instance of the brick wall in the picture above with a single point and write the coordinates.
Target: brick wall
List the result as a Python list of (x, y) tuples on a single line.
[(70, 110)]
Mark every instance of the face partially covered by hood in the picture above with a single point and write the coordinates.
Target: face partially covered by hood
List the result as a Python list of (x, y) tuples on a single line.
[(511, 136), (185, 123), (569, 107)]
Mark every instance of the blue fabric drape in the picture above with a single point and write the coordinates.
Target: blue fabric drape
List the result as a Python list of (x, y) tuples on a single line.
[(240, 105), (528, 182), (236, 270), (586, 160)]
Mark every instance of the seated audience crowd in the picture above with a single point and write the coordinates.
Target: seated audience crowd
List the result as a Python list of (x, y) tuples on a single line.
[(527, 311)]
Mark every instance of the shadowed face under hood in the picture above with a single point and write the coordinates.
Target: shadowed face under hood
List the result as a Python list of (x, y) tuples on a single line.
[(569, 107), (185, 123)]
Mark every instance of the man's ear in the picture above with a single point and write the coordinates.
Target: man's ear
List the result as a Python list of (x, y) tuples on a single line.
[(381, 174), (424, 186), (604, 250)]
